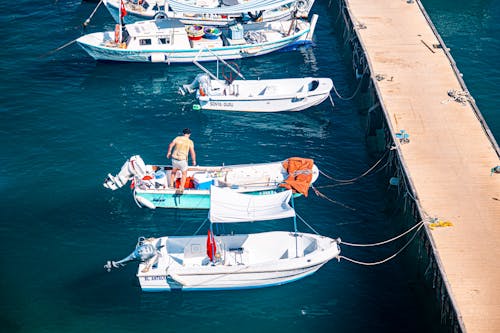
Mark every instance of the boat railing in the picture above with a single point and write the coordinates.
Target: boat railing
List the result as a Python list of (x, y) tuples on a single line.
[(204, 69)]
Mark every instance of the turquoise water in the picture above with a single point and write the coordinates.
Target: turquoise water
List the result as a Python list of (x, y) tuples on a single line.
[(66, 121)]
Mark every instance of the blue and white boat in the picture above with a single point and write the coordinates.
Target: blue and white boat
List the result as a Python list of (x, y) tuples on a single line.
[(232, 261), (165, 41), (150, 183), (209, 12)]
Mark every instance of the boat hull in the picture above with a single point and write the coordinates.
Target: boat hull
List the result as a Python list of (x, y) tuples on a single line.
[(252, 95), (188, 275), (172, 56), (137, 13), (189, 199), (279, 105), (102, 45)]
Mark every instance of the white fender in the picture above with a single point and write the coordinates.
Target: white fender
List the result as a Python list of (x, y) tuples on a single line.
[(315, 173), (178, 279), (143, 202)]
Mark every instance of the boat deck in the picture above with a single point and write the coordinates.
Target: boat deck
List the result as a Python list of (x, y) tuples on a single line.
[(449, 156)]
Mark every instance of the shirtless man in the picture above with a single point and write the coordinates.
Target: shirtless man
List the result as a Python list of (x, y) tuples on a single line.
[(181, 145)]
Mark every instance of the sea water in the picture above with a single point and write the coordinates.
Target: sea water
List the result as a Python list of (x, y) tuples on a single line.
[(67, 121)]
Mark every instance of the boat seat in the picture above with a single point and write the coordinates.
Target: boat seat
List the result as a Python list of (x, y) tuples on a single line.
[(234, 256)]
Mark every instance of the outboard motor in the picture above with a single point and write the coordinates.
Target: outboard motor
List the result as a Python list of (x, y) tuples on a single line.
[(201, 80), (144, 251), (134, 166)]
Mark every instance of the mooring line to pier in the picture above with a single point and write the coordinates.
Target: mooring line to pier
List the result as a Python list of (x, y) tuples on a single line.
[(386, 241), (355, 92), (360, 176), (421, 224)]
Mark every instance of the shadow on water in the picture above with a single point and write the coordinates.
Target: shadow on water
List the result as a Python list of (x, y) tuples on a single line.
[(95, 289), (8, 325)]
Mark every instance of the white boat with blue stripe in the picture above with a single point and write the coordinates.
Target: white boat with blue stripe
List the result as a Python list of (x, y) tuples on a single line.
[(209, 12), (151, 189), (232, 261), (166, 41)]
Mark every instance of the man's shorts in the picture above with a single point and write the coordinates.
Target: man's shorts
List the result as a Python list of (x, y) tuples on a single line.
[(181, 165)]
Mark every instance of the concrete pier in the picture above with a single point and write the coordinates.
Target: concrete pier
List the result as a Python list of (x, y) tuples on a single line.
[(450, 153)]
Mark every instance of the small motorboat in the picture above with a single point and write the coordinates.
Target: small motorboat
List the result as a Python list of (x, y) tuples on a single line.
[(232, 261), (274, 95), (151, 189)]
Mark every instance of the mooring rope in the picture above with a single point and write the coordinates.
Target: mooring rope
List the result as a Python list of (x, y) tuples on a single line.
[(331, 101), (307, 224), (459, 96), (359, 177), (87, 21), (386, 241), (386, 259), (321, 195), (199, 228), (58, 49), (355, 92), (333, 185)]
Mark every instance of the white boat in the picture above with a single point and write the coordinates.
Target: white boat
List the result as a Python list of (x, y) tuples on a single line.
[(209, 12), (150, 182), (272, 95), (233, 261), (169, 42)]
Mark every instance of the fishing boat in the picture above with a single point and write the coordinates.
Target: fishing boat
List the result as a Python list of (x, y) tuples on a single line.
[(150, 183), (232, 261), (209, 12), (169, 42)]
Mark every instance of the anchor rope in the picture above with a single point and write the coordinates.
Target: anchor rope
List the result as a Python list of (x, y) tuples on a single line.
[(334, 185), (386, 259), (58, 49), (360, 176), (321, 195)]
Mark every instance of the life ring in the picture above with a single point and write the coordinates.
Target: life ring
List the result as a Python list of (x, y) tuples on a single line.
[(257, 16), (160, 15), (117, 33), (202, 92)]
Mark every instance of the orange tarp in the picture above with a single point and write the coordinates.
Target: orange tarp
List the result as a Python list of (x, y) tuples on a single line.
[(299, 174)]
